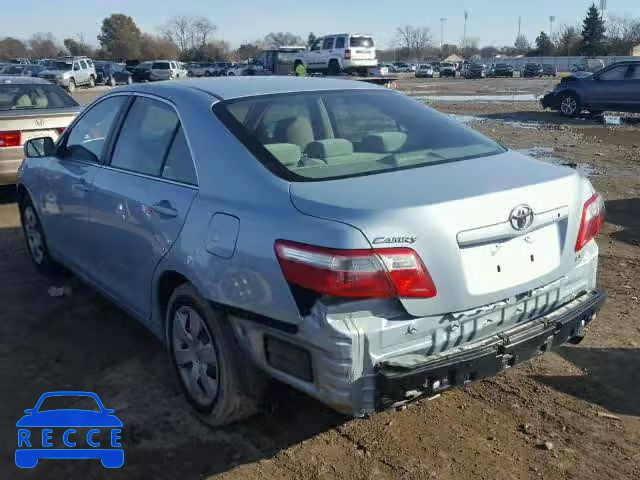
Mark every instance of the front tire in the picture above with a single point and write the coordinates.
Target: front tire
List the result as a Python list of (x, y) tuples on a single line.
[(569, 105), (35, 238), (112, 82), (217, 376), (92, 81)]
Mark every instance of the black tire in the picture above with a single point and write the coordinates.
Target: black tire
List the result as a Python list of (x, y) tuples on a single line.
[(112, 82), (92, 81), (569, 104), (231, 74), (334, 68), (72, 86), (31, 228), (206, 73), (239, 382)]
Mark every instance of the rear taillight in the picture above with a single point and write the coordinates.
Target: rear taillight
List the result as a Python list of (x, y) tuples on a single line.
[(372, 273), (10, 139), (347, 54), (592, 221)]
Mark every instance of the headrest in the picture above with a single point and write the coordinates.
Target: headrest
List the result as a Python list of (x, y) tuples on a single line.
[(334, 147), (287, 153), (384, 142)]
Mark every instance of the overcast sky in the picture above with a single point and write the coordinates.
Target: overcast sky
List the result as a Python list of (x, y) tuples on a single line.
[(494, 22)]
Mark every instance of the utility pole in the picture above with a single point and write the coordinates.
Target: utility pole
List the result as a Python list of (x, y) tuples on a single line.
[(464, 34), (442, 22), (551, 20)]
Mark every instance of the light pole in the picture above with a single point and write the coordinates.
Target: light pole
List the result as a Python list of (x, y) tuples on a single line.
[(442, 22), (551, 20), (464, 34)]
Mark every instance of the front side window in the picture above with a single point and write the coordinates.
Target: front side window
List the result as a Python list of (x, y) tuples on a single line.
[(616, 73), (328, 44), (317, 45), (145, 137), (314, 136), (87, 138), (76, 66)]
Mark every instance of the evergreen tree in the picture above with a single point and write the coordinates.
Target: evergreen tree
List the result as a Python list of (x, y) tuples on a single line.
[(544, 44), (593, 39)]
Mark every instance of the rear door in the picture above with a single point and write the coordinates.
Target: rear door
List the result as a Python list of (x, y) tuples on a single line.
[(632, 89), (140, 201)]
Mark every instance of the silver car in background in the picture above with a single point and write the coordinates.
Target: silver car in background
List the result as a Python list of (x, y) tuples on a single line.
[(29, 108), (340, 237)]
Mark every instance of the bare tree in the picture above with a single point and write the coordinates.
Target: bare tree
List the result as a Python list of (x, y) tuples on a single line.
[(43, 44), (280, 39), (178, 30), (469, 47), (12, 48), (202, 29), (567, 40), (414, 39), (623, 33)]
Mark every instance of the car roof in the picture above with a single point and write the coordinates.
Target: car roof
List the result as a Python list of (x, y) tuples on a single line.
[(226, 88), (7, 79)]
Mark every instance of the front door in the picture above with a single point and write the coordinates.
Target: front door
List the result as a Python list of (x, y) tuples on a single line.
[(327, 51), (315, 55), (140, 201), (606, 90), (71, 171)]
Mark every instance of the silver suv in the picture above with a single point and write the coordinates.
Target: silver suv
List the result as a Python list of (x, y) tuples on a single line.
[(71, 72)]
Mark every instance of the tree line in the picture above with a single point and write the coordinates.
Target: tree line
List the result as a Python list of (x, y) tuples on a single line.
[(617, 36), (193, 39), (181, 38)]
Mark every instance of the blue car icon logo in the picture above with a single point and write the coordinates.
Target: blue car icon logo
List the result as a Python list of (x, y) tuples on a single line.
[(85, 433)]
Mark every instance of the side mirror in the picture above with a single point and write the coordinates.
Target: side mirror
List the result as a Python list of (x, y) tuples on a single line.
[(39, 147)]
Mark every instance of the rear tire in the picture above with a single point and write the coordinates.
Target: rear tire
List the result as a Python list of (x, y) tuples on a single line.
[(112, 82), (72, 86), (35, 239), (334, 68), (569, 104), (216, 374)]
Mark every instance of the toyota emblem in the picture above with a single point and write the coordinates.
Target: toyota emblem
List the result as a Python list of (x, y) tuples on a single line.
[(521, 217)]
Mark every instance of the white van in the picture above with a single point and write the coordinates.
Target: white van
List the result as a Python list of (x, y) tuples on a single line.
[(166, 70), (340, 52)]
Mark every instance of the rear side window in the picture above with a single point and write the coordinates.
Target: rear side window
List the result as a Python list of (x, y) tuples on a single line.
[(362, 42), (314, 136), (83, 65), (179, 164), (340, 42), (145, 137)]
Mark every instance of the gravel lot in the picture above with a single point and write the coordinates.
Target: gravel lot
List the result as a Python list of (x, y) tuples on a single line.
[(570, 414)]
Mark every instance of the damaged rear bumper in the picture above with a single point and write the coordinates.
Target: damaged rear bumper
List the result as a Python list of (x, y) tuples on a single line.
[(397, 383)]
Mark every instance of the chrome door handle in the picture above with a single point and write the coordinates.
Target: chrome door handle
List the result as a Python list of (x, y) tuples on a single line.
[(81, 187), (165, 209)]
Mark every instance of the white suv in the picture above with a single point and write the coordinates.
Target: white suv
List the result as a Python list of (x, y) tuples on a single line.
[(341, 52), (167, 70)]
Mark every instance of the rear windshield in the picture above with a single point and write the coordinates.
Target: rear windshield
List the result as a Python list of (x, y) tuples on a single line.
[(62, 66), (160, 66), (446, 64), (36, 96), (364, 42), (326, 135)]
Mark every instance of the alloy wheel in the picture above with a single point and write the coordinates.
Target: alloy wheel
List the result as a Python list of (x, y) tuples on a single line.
[(195, 355), (34, 236), (569, 105)]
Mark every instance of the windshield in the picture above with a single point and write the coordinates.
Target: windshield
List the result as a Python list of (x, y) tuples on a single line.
[(328, 135), (364, 42), (62, 66), (33, 96), (68, 402)]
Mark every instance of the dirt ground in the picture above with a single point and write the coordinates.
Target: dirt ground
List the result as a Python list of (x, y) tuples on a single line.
[(572, 414)]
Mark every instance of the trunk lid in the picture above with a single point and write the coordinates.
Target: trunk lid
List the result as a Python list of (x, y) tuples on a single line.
[(456, 216), (37, 122)]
